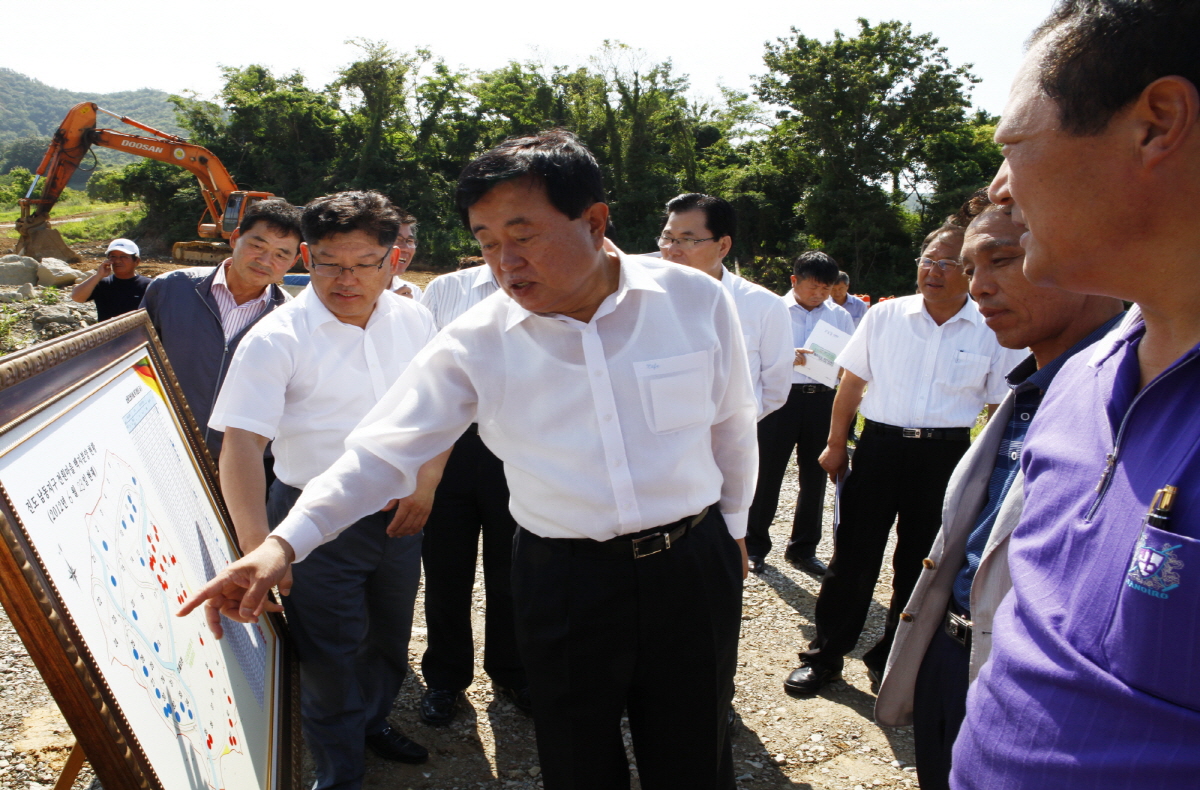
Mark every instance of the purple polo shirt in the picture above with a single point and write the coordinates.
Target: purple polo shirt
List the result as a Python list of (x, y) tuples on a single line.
[(1094, 678)]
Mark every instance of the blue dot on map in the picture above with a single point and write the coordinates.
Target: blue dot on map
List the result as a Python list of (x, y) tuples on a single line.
[(135, 654), (156, 647), (134, 612), (176, 717), (145, 672), (129, 499), (104, 543), (113, 579), (190, 715), (143, 561), (167, 711), (158, 693), (134, 508)]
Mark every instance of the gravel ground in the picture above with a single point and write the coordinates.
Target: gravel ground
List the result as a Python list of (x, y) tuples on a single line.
[(823, 743)]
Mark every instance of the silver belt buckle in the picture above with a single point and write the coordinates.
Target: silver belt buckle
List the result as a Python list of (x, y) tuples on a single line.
[(959, 628), (666, 536), (911, 433)]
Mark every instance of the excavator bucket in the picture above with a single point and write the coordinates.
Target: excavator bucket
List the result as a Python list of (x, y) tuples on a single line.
[(38, 240)]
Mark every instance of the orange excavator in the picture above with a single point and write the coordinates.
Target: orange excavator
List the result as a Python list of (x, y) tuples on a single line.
[(224, 202)]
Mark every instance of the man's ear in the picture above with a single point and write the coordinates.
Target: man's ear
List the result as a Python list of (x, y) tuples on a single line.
[(725, 244), (1166, 116), (306, 254), (233, 237), (396, 268), (597, 220)]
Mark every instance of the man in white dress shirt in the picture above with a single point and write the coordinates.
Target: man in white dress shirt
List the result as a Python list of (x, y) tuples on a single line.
[(406, 242), (616, 391), (801, 425), (304, 377), (699, 232), (471, 500), (932, 365)]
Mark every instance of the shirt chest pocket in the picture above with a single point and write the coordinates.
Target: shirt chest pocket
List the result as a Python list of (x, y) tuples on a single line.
[(1152, 636), (676, 391), (969, 370)]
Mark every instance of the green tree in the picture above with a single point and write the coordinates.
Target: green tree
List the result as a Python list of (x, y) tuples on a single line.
[(857, 112)]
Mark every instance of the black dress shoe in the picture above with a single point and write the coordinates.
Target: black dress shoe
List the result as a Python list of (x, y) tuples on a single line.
[(757, 564), (808, 679), (439, 706), (810, 565), (391, 745), (517, 696), (876, 678)]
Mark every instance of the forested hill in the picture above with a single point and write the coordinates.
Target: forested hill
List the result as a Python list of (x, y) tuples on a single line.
[(29, 108)]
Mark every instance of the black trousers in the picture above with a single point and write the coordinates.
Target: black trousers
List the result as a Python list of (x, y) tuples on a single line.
[(939, 707), (655, 636), (891, 479), (802, 423), (472, 498)]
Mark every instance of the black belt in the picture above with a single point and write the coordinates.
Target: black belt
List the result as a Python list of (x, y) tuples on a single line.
[(636, 544), (811, 389), (958, 628), (948, 434)]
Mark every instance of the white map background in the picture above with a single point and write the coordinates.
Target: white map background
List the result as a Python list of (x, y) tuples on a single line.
[(111, 502)]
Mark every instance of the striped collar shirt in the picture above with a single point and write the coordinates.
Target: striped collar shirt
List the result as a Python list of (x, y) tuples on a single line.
[(921, 375), (451, 295), (236, 317), (805, 321)]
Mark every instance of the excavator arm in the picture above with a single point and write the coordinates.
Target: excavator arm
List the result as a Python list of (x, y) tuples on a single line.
[(71, 143)]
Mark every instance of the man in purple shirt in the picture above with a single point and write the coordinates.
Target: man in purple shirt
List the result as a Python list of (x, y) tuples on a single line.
[(1093, 681)]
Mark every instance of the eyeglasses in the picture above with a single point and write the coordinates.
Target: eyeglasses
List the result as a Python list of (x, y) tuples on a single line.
[(359, 271), (667, 241), (945, 263)]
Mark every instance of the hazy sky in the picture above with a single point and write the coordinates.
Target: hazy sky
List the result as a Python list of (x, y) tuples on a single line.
[(176, 46)]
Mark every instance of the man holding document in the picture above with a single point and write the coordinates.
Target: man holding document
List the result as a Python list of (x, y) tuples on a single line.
[(932, 364), (803, 421)]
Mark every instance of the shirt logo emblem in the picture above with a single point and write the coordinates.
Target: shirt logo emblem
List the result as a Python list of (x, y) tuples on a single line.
[(1154, 571)]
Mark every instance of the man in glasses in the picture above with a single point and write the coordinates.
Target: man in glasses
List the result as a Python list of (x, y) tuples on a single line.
[(932, 364), (304, 377), (406, 242), (201, 314)]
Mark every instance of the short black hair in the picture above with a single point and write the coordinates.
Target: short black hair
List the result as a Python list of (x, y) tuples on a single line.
[(842, 279), (816, 265), (345, 212), (280, 216), (978, 203), (556, 158), (1104, 53), (719, 216)]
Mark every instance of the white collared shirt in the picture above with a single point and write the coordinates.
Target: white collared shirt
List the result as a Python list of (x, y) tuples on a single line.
[(305, 379), (638, 418), (236, 317), (805, 321), (921, 375), (767, 331), (450, 295)]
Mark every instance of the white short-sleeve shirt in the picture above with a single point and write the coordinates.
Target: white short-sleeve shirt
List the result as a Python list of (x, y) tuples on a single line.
[(921, 375), (305, 379)]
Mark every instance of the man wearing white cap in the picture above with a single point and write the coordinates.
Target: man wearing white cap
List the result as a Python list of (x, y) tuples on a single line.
[(115, 287)]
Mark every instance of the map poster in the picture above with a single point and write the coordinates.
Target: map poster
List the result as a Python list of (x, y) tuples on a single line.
[(113, 519)]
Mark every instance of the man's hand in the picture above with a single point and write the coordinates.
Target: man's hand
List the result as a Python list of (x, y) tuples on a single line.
[(835, 460), (413, 511), (745, 558), (405, 290), (249, 544), (801, 353), (105, 268), (411, 514), (240, 590)]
